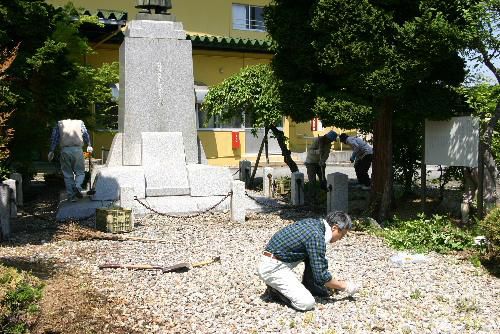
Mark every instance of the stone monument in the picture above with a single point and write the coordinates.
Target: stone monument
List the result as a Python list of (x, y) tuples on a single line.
[(155, 154)]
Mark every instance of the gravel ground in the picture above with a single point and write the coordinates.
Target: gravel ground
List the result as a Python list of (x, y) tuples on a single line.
[(442, 295)]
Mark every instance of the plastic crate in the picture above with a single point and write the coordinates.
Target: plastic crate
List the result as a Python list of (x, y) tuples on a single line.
[(114, 220)]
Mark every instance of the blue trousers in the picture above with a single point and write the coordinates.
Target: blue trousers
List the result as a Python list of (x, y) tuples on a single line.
[(73, 169)]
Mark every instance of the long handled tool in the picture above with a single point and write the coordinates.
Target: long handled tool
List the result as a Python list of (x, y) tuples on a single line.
[(180, 267)]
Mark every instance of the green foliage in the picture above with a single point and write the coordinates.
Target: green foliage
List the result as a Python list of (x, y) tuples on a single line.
[(343, 64), (48, 79), (490, 225), (20, 293), (253, 91), (483, 100), (424, 235)]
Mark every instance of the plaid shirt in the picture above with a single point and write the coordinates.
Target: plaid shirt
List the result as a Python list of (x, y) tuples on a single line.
[(303, 241), (56, 136)]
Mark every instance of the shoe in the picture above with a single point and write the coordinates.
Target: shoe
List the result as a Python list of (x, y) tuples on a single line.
[(366, 188), (73, 199), (78, 193), (276, 295)]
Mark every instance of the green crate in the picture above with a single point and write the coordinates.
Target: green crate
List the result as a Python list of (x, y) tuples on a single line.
[(114, 220)]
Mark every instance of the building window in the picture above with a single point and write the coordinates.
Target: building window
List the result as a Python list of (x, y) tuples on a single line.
[(247, 17)]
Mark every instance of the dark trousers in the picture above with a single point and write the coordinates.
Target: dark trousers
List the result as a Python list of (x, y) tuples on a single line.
[(361, 167), (308, 281), (314, 170)]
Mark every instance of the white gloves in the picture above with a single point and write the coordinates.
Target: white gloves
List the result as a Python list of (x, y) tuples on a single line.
[(50, 156), (351, 288), (90, 149)]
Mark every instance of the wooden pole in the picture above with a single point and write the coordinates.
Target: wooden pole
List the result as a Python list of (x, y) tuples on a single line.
[(480, 185), (258, 157), (423, 180)]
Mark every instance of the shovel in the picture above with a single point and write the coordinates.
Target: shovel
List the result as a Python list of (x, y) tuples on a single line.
[(178, 268)]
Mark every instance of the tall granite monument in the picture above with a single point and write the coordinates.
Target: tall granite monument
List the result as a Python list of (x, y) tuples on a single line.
[(156, 154)]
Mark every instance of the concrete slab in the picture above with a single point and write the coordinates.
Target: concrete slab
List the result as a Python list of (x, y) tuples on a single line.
[(109, 180), (78, 210), (209, 180)]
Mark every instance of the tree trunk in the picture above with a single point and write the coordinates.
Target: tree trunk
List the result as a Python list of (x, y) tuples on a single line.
[(285, 152), (381, 196)]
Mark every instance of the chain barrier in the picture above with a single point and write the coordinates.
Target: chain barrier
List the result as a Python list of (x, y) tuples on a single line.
[(278, 206), (147, 206), (239, 170)]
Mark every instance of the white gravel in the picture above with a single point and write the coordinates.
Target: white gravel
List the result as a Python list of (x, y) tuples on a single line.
[(442, 295)]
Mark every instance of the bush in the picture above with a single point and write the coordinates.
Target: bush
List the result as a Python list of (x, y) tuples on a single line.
[(490, 225), (437, 234), (19, 295)]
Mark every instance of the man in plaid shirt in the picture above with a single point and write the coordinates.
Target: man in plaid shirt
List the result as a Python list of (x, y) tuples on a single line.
[(305, 241)]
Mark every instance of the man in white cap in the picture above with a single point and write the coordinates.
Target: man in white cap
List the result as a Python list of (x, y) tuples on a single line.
[(71, 134), (317, 154)]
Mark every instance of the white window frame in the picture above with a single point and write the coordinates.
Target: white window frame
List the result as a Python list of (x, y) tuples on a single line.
[(242, 18)]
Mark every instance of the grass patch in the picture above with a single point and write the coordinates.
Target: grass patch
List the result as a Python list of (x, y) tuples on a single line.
[(19, 296), (423, 235)]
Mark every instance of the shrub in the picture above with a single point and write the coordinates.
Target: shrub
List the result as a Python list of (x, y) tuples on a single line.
[(490, 225), (423, 235), (19, 295)]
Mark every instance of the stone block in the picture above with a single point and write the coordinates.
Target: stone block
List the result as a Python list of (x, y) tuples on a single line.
[(13, 204), (19, 188), (115, 155), (209, 180), (84, 208), (297, 188), (237, 202), (245, 171), (127, 197), (338, 194), (267, 180), (4, 212), (156, 93), (155, 29), (164, 164), (109, 180)]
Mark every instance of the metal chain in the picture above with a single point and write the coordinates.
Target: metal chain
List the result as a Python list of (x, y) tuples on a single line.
[(147, 206), (239, 170)]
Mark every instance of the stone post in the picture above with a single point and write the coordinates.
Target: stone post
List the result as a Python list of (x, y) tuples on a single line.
[(4, 211), (297, 188), (127, 197), (245, 171), (127, 201), (13, 206), (237, 201), (337, 198), (19, 188), (267, 182)]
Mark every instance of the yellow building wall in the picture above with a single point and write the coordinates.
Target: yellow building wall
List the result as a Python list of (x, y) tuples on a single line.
[(206, 17)]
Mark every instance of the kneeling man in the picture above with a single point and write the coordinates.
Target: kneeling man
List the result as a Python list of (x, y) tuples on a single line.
[(304, 241)]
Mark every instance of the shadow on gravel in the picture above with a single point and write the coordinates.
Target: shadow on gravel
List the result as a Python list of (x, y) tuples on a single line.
[(41, 269)]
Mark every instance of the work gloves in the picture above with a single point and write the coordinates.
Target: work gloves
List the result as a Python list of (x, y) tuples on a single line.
[(90, 149), (50, 156), (352, 160), (351, 288)]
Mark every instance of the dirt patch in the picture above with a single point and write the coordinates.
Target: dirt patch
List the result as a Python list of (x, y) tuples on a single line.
[(71, 305)]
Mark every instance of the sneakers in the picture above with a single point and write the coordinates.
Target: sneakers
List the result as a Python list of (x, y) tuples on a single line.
[(365, 188)]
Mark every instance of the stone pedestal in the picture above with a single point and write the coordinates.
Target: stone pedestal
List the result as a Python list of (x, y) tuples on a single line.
[(337, 198), (4, 211), (238, 202), (267, 182), (245, 171), (156, 87), (13, 194), (19, 188), (297, 188)]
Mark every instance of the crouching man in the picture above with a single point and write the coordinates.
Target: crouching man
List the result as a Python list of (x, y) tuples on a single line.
[(304, 241)]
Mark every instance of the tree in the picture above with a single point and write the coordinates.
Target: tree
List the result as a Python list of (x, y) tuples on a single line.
[(353, 62), (483, 37), (253, 92), (48, 80)]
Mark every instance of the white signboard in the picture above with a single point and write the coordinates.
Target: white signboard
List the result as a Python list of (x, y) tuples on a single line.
[(453, 142)]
